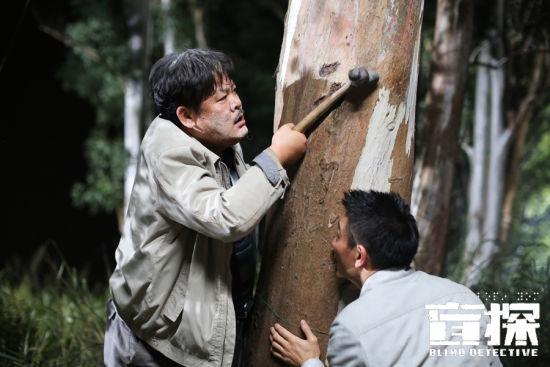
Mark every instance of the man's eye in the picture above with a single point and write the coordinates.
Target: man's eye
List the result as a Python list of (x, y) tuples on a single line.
[(221, 99)]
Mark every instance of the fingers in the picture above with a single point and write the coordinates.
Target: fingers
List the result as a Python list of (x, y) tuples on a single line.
[(307, 331), (287, 335), (275, 336)]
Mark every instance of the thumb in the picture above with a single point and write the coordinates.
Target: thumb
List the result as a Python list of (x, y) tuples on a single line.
[(307, 331)]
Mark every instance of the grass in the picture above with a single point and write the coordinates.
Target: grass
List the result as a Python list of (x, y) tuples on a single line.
[(49, 315), (527, 270)]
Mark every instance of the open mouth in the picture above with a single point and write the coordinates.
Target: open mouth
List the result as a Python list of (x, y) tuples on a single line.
[(239, 119)]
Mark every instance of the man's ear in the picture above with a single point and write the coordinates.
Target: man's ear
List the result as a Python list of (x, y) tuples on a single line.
[(362, 256), (186, 116)]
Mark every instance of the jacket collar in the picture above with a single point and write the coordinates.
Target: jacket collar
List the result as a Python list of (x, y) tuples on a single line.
[(384, 276)]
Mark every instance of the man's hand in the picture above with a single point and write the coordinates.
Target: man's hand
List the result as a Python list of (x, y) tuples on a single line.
[(288, 144), (292, 349)]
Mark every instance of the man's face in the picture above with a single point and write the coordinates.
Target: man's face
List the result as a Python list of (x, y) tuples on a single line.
[(344, 256), (220, 123)]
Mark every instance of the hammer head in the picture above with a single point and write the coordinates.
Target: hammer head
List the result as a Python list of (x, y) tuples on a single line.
[(359, 76)]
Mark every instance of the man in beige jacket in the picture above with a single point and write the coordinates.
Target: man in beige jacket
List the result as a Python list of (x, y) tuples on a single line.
[(182, 285)]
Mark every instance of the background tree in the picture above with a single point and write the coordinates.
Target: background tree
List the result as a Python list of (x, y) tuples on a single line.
[(435, 162), (502, 60)]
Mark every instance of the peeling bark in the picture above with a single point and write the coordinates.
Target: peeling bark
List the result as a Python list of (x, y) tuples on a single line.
[(366, 142), (435, 169)]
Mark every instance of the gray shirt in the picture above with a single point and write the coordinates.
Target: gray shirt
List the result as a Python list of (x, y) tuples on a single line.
[(389, 325)]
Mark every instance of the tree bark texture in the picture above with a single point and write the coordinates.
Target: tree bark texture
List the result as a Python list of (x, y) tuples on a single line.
[(365, 142), (434, 171)]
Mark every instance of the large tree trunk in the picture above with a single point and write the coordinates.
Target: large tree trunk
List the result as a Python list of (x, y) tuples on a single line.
[(365, 143), (434, 171)]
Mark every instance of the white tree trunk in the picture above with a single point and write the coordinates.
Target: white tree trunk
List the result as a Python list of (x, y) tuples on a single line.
[(135, 96), (499, 142), (132, 111), (488, 179), (168, 39), (198, 19), (477, 158)]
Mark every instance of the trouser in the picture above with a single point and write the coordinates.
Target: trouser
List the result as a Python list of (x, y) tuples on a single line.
[(243, 269), (242, 322), (123, 349)]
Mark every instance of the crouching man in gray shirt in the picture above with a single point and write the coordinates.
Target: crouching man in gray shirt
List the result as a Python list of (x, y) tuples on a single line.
[(389, 324)]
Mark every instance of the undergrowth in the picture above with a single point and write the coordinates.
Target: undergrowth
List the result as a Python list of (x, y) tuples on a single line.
[(49, 316)]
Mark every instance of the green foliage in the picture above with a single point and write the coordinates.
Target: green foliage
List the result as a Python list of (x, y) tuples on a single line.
[(95, 71), (522, 271), (50, 317), (103, 188)]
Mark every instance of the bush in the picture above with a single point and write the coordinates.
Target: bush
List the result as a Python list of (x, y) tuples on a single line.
[(522, 275), (49, 316)]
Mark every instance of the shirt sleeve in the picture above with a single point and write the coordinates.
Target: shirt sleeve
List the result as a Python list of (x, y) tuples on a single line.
[(344, 348), (268, 162), (189, 194), (313, 362)]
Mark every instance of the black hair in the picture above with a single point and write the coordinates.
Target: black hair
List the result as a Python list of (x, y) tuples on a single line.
[(382, 222), (186, 79)]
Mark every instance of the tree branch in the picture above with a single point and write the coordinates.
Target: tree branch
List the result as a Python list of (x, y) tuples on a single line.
[(84, 49)]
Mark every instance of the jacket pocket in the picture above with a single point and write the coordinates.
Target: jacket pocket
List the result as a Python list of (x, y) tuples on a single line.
[(175, 302)]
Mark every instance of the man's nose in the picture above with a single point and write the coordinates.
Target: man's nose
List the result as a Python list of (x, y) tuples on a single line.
[(236, 103)]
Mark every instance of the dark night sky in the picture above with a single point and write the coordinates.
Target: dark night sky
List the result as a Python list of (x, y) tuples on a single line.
[(42, 135)]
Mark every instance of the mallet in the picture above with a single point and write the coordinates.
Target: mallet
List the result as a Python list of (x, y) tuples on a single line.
[(357, 76)]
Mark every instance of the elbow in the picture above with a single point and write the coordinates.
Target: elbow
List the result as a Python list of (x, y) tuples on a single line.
[(231, 231)]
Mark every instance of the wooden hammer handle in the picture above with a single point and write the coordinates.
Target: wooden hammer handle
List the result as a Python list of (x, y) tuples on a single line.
[(323, 107)]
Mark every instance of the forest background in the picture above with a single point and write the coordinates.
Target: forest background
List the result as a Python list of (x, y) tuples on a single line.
[(67, 71)]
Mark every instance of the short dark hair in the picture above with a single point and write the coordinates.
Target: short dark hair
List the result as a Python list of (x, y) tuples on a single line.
[(382, 222), (186, 79)]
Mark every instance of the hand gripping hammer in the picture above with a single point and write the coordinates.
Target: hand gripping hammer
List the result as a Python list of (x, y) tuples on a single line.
[(357, 77)]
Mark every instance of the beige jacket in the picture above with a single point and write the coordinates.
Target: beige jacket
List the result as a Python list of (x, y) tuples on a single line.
[(172, 281)]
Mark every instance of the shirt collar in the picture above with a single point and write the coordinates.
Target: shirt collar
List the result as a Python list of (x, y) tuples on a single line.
[(384, 276)]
